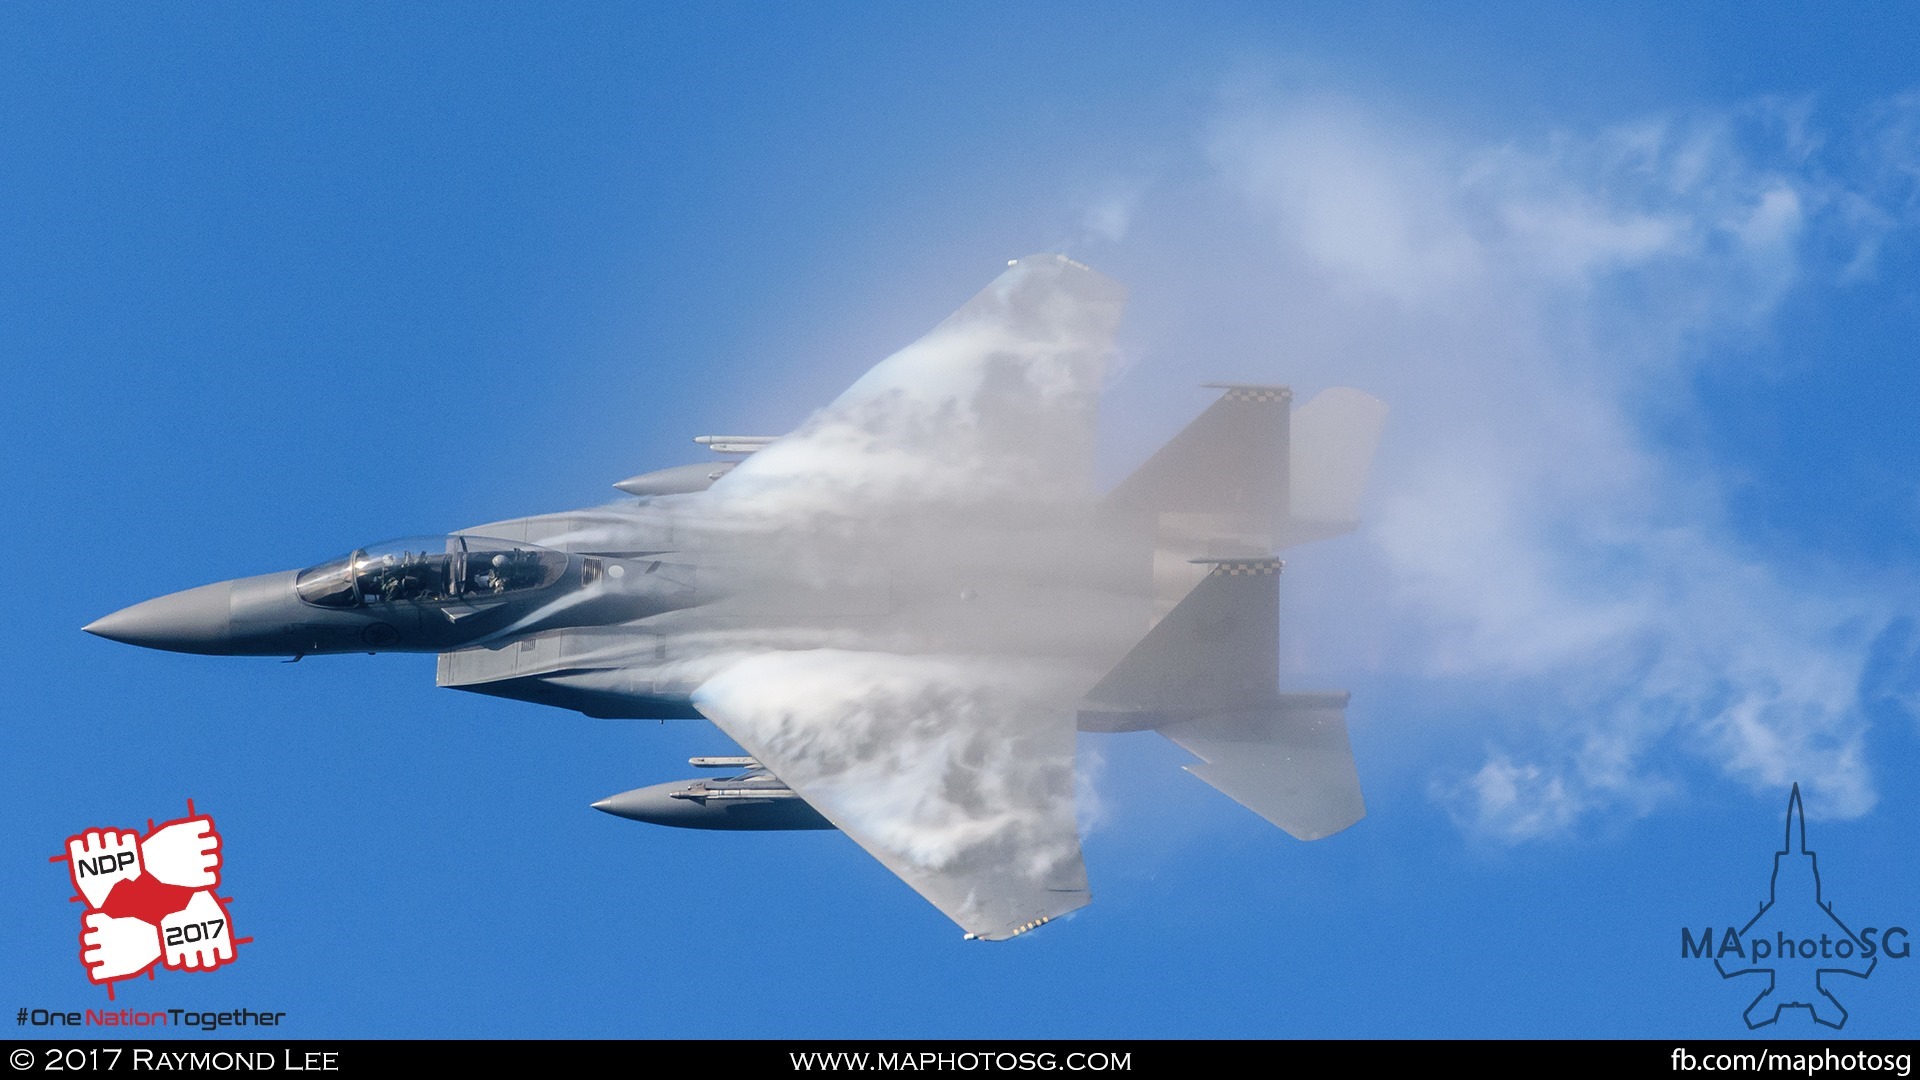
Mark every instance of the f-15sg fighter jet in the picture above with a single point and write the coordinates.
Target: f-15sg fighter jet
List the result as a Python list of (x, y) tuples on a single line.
[(902, 610)]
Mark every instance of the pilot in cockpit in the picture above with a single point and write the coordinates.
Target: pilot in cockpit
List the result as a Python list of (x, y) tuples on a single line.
[(513, 570)]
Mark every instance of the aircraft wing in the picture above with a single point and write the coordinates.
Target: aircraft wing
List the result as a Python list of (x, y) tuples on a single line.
[(948, 770), (924, 736), (998, 401)]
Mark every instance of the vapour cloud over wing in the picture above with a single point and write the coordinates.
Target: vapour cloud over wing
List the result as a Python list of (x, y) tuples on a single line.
[(957, 773), (904, 598), (997, 403)]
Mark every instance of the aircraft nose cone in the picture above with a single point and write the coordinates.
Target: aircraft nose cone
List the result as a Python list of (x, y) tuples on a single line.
[(653, 805), (193, 621), (628, 804)]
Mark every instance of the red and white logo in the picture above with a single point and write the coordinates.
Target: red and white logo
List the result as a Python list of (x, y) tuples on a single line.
[(150, 899)]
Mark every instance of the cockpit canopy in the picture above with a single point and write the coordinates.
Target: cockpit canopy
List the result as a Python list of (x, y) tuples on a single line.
[(430, 568)]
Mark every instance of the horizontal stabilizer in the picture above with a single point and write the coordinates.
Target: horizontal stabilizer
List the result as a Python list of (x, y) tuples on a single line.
[(1290, 762)]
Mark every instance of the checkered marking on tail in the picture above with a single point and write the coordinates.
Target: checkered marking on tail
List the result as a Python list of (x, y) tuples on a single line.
[(1259, 395), (1241, 567), (1252, 392)]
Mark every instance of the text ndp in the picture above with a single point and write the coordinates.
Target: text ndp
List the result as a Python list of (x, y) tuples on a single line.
[(104, 864)]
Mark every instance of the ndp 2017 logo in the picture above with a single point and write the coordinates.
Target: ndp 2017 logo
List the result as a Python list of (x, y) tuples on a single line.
[(151, 899)]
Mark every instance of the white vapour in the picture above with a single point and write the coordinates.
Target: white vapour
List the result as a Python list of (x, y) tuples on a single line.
[(1535, 312), (934, 757), (903, 599), (997, 403)]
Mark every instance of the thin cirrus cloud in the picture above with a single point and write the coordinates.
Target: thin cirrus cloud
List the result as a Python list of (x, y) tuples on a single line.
[(1534, 311)]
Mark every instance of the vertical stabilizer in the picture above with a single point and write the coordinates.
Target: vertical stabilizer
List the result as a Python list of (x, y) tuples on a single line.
[(1333, 441), (1250, 476), (1231, 461), (1217, 649), (1206, 677)]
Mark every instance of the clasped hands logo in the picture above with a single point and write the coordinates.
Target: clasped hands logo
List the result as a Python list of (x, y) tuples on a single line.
[(150, 899)]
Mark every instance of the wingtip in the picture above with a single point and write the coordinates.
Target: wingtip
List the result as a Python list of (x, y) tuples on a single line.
[(1079, 279)]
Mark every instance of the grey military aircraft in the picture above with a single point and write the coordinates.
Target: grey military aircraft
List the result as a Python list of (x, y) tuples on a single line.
[(902, 611)]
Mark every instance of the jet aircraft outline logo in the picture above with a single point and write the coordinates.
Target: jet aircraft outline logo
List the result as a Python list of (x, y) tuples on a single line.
[(1806, 961), (152, 899)]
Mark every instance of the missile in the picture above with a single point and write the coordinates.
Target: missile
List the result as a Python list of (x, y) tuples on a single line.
[(755, 802), (734, 444), (686, 479), (678, 480)]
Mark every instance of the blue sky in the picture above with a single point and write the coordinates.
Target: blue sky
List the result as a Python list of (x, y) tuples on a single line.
[(1639, 285)]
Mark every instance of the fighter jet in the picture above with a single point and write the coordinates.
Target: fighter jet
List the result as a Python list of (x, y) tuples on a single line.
[(902, 611)]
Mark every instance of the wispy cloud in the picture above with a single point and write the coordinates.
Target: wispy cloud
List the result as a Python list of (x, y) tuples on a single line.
[(1535, 310)]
